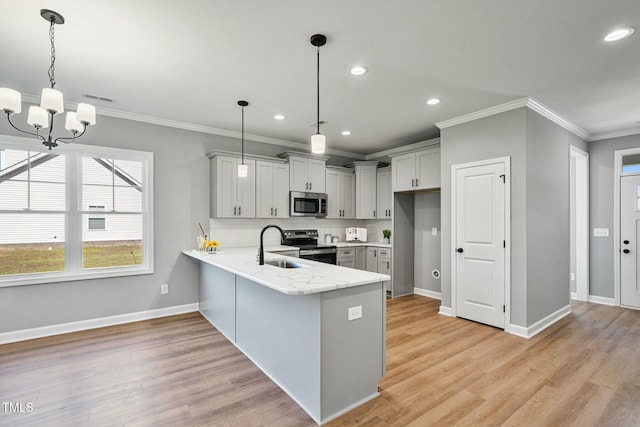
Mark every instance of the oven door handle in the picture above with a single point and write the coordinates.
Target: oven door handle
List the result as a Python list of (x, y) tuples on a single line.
[(319, 252)]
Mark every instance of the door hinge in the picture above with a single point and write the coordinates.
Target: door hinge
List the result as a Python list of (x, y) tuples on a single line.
[(504, 308), (504, 178)]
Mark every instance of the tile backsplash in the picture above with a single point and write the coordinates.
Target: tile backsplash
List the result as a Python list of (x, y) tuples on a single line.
[(234, 233)]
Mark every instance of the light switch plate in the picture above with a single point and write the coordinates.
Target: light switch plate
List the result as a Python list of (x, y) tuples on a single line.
[(600, 232), (355, 313), (434, 231)]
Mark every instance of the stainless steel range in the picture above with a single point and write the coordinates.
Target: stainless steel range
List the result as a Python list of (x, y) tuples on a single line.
[(307, 242)]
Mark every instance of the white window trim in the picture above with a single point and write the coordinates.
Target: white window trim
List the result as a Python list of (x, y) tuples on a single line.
[(73, 257)]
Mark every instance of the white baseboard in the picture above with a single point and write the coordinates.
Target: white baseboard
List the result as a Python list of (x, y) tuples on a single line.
[(601, 300), (446, 311), (540, 325), (574, 295), (63, 328), (427, 293)]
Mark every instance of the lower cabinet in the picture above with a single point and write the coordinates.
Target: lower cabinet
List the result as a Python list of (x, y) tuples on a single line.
[(361, 258), (346, 257)]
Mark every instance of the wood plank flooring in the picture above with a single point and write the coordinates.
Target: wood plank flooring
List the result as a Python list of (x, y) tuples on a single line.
[(179, 371)]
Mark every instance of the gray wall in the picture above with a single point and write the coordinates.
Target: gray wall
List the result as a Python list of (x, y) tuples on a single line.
[(539, 152), (548, 216), (601, 174), (427, 246), (500, 135), (181, 200)]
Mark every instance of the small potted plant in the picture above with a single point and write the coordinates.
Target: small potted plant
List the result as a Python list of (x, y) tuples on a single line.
[(386, 234)]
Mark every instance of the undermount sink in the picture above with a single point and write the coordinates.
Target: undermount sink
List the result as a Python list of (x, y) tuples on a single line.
[(285, 263)]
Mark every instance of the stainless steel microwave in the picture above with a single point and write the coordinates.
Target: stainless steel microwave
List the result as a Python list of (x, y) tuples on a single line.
[(307, 204)]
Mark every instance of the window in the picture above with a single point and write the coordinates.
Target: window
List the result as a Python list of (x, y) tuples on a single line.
[(76, 212), (96, 220)]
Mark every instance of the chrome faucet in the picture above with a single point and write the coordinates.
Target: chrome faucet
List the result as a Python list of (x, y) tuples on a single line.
[(261, 250)]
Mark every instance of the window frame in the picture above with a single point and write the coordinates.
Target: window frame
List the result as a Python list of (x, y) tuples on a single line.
[(73, 213)]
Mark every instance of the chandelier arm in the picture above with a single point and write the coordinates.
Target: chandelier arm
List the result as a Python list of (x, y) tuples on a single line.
[(69, 140), (23, 131)]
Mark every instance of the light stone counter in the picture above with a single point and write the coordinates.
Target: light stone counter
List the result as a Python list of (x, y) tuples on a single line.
[(356, 244), (315, 277)]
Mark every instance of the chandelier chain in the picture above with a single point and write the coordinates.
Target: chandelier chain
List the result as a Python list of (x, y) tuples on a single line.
[(318, 91), (52, 67)]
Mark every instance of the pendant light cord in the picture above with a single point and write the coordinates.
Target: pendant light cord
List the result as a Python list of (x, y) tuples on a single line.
[(243, 135), (318, 92)]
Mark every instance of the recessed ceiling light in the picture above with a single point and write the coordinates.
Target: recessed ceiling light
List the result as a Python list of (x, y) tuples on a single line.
[(279, 117), (346, 132), (359, 70), (619, 34), (433, 101)]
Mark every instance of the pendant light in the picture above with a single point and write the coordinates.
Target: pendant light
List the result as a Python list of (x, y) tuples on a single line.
[(243, 170), (51, 103), (318, 140)]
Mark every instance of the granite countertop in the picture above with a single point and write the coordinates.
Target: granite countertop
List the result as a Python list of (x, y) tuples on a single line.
[(355, 244), (314, 278)]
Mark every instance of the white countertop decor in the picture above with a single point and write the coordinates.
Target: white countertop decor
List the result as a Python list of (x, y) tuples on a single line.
[(318, 277)]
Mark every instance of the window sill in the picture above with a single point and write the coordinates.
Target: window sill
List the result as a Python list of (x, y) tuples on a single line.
[(39, 279)]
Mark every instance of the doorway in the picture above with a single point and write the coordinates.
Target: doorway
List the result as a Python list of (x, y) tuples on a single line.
[(480, 238), (579, 209)]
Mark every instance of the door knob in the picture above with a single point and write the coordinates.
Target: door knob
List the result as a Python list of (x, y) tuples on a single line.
[(626, 242), (459, 250), (626, 251)]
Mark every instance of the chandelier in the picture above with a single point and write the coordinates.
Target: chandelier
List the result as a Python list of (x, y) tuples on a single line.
[(51, 102), (318, 140)]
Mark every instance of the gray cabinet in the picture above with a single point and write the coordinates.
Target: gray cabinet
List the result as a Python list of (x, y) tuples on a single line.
[(346, 257), (233, 197), (272, 189), (416, 171), (361, 258), (366, 192), (340, 183), (384, 193), (372, 259), (307, 175)]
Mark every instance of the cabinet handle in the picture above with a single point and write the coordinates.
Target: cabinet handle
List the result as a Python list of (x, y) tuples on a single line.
[(417, 180), (276, 211), (271, 211), (310, 185), (388, 266), (413, 182), (234, 210), (240, 210), (375, 253)]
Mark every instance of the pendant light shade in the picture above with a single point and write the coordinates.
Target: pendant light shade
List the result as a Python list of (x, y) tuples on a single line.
[(318, 141), (243, 170)]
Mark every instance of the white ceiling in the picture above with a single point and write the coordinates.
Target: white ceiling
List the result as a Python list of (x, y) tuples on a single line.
[(191, 61)]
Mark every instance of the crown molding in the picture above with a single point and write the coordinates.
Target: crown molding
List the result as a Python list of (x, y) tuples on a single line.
[(176, 124), (519, 103), (615, 134), (405, 148)]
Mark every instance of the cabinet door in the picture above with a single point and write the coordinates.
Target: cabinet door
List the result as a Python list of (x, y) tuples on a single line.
[(225, 187), (316, 175), (346, 263), (372, 259), (361, 258), (428, 169), (298, 174), (366, 192), (384, 194), (384, 266), (348, 195), (334, 195), (246, 191), (265, 172), (403, 171), (281, 190)]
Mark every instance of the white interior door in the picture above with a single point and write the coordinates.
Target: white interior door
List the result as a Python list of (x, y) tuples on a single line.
[(479, 220), (629, 239)]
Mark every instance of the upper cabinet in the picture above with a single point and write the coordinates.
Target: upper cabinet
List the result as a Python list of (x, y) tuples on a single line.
[(366, 190), (233, 197), (384, 195), (341, 187), (416, 171), (306, 174), (272, 189)]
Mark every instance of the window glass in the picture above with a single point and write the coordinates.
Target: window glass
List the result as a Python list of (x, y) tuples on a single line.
[(118, 245)]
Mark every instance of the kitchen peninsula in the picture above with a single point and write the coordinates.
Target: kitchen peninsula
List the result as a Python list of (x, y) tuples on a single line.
[(317, 330)]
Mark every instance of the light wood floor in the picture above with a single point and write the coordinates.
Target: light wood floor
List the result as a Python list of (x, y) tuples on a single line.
[(179, 371)]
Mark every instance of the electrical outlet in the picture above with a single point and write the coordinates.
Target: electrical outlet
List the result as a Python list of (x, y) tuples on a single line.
[(355, 312), (164, 288), (600, 232), (434, 231), (573, 276)]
